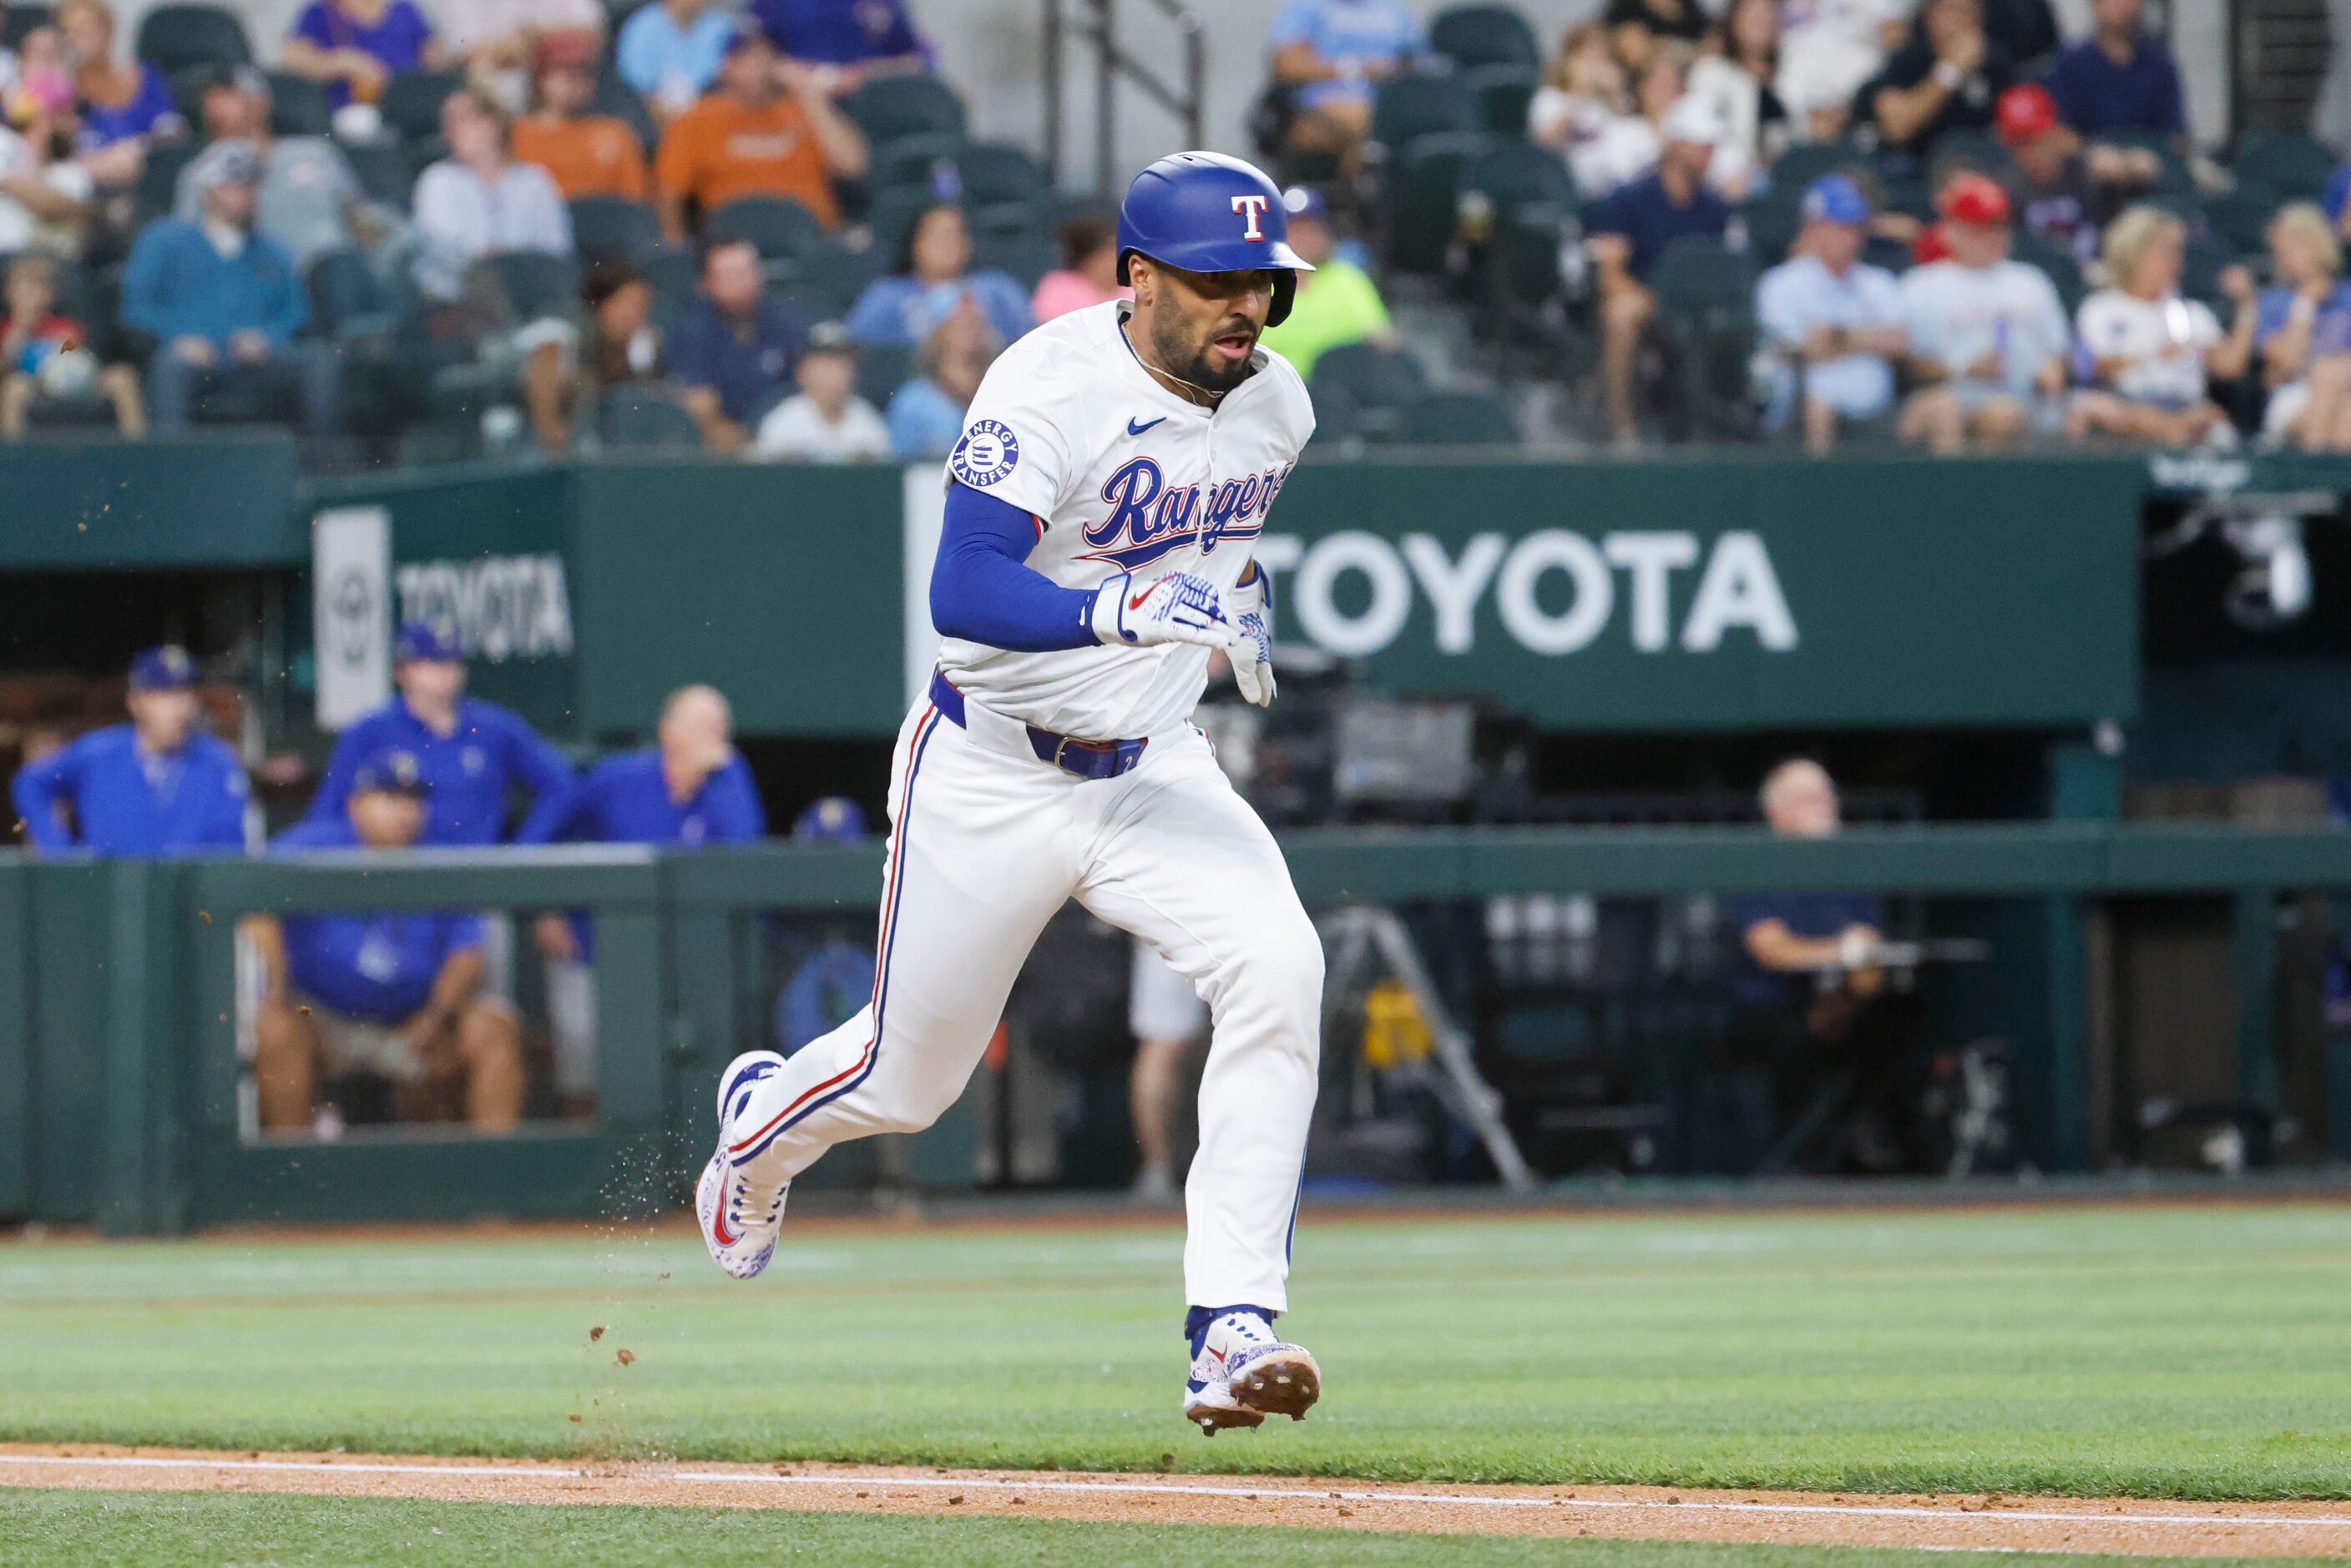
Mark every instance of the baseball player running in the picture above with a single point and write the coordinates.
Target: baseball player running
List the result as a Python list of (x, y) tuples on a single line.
[(1114, 470)]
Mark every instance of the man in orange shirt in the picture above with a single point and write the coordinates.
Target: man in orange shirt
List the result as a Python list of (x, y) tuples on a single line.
[(587, 154), (748, 137)]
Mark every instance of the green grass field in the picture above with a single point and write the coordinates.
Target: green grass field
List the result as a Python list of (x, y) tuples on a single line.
[(2165, 1352)]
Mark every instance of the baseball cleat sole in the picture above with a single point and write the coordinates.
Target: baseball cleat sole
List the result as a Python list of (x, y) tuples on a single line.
[(1280, 1383)]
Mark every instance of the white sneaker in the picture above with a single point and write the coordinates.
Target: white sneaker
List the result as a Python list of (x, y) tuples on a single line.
[(740, 1215), (1241, 1373)]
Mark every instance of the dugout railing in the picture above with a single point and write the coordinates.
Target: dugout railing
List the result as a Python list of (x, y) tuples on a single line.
[(118, 988)]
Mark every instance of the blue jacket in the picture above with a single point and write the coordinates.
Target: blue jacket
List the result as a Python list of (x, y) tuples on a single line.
[(625, 800), (178, 286), (470, 772), (129, 804), (376, 965)]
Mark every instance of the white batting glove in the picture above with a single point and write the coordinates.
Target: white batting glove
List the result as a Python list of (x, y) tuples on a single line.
[(1177, 609), (1249, 645)]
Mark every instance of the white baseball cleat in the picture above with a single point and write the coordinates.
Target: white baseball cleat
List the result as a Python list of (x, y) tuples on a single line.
[(740, 1215), (1241, 1373)]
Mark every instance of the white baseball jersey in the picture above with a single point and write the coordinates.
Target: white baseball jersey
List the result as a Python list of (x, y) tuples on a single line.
[(1121, 475)]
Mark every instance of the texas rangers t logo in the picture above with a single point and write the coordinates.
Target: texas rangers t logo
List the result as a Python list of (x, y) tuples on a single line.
[(1254, 206)]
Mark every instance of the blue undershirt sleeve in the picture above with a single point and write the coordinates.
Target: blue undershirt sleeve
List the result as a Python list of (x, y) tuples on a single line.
[(982, 592)]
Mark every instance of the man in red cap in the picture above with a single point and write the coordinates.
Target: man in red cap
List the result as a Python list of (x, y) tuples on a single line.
[(2064, 190), (587, 154), (1988, 332)]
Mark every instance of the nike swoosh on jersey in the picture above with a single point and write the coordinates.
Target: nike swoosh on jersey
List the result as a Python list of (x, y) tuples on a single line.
[(1136, 427)]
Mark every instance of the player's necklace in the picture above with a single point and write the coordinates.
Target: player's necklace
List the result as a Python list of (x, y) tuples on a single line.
[(1185, 390)]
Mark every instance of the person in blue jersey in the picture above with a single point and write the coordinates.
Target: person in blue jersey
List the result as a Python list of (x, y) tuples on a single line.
[(691, 788), (474, 754), (397, 995), (159, 784)]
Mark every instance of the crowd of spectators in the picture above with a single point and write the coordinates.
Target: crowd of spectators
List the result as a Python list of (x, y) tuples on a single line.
[(434, 215)]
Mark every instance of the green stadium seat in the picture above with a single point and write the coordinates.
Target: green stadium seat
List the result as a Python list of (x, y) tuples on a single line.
[(1503, 94), (172, 37), (537, 284), (2053, 259), (913, 161), (613, 225), (1027, 257), (1706, 319), (1411, 106), (646, 418), (384, 173), (299, 106), (15, 21), (1369, 386), (1473, 36), (2291, 165), (1458, 419), (889, 108), (346, 298), (413, 99), (826, 281), (1420, 195), (882, 370), (778, 226)]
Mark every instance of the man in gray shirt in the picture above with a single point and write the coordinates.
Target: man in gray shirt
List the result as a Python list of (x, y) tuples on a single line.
[(311, 200)]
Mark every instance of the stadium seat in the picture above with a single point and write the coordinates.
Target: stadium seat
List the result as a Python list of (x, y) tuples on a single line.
[(172, 37), (1977, 150), (1412, 107), (1503, 93), (780, 227), (1807, 160), (1706, 319), (770, 401), (646, 418), (827, 281), (916, 161), (893, 213), (536, 283), (2200, 267), (1473, 36), (613, 225), (1458, 419), (1369, 387), (2293, 165), (889, 108), (2241, 217), (15, 21), (676, 279), (882, 370), (2038, 251), (299, 106), (1518, 207), (1027, 257), (383, 171), (346, 298), (619, 99), (159, 180), (413, 99), (1419, 208)]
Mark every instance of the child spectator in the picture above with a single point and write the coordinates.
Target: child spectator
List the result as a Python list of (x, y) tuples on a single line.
[(1581, 101), (733, 348), (1835, 321), (1987, 333), (1944, 78), (841, 45), (926, 413), (669, 52), (355, 47), (1332, 55), (46, 355), (45, 193), (825, 421), (934, 270), (586, 154), (1088, 271), (2148, 351), (748, 137), (2120, 78)]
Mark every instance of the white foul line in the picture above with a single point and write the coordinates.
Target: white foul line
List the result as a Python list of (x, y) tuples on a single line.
[(1172, 1489)]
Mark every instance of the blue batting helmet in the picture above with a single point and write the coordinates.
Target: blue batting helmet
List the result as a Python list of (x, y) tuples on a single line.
[(1207, 213)]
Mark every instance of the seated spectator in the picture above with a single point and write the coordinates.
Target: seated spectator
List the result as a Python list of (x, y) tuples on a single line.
[(1631, 227), (500, 41), (2150, 350), (1332, 55), (2120, 78), (1637, 27), (749, 138), (45, 195), (355, 47), (159, 785), (1619, 149), (311, 200), (841, 45), (1807, 996), (691, 788), (1828, 48), (1987, 333), (36, 83), (223, 302), (619, 346), (2063, 192), (933, 268), (1581, 100), (1335, 304), (926, 413), (669, 52), (44, 356), (1088, 271), (396, 994), (122, 101), (2303, 332), (1737, 74), (471, 755), (825, 421), (1835, 321), (1944, 78), (480, 201), (733, 348), (586, 154)]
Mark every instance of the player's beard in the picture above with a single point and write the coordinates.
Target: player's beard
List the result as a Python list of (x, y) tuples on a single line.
[(1189, 359)]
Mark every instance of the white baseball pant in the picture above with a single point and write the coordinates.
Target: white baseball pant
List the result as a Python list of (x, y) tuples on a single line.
[(986, 842)]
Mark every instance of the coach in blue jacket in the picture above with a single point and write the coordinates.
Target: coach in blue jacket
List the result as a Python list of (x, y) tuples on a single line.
[(157, 786), (472, 753)]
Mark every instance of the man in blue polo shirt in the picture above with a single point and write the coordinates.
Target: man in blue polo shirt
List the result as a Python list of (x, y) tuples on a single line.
[(157, 786), (690, 788), (2119, 78), (734, 347), (397, 995), (1630, 228), (844, 43), (473, 754)]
